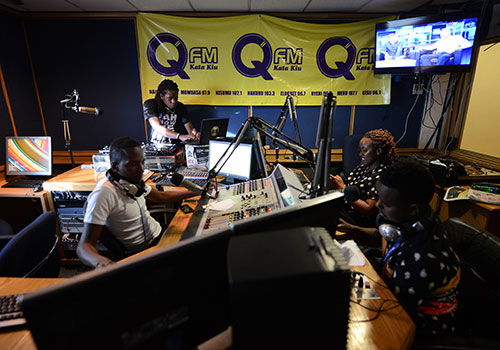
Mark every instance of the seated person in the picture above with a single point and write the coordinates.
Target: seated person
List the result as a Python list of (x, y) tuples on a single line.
[(377, 150), (119, 202), (443, 49), (393, 48), (167, 116), (418, 262)]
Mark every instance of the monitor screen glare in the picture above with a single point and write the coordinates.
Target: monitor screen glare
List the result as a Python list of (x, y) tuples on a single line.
[(425, 44), (238, 165), (29, 155)]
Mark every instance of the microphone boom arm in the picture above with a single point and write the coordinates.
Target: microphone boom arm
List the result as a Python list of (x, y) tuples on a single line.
[(279, 137)]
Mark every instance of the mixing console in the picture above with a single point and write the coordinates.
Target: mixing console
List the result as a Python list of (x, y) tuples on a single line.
[(242, 201)]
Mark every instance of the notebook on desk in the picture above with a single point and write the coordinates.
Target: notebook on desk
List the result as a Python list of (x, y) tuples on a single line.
[(211, 129)]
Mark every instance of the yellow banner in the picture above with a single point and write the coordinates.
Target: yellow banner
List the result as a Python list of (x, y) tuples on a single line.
[(259, 60)]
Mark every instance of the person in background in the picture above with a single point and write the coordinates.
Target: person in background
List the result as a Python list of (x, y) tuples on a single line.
[(418, 262), (167, 116), (444, 48), (393, 48), (377, 150), (119, 203)]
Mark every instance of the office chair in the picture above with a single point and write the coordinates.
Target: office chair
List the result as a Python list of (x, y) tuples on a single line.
[(32, 252), (479, 290), (6, 232), (350, 153), (116, 249)]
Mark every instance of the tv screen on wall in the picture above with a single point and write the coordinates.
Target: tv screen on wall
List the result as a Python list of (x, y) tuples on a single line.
[(433, 45)]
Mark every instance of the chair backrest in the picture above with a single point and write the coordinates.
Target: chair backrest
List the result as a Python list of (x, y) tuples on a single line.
[(479, 290), (5, 228), (350, 152), (116, 249), (33, 252)]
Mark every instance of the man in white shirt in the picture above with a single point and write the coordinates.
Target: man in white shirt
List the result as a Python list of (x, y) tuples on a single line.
[(119, 203), (445, 48)]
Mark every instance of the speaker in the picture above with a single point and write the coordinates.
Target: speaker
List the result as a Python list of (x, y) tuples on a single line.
[(281, 290)]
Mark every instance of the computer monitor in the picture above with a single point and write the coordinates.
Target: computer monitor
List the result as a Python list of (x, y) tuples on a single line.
[(28, 155), (428, 44), (172, 298), (239, 164), (212, 129)]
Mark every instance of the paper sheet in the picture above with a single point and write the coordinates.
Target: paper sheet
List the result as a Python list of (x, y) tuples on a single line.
[(222, 205), (352, 253)]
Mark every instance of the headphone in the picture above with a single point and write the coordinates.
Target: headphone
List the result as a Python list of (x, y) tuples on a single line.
[(133, 191), (128, 188), (392, 232)]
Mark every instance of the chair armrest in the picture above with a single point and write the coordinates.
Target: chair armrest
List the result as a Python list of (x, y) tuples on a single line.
[(4, 239)]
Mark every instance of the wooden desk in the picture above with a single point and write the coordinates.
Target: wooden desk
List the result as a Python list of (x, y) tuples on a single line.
[(392, 329), (20, 206), (21, 339), (485, 216)]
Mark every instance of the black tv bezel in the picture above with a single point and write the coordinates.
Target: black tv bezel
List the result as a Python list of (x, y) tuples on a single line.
[(427, 20)]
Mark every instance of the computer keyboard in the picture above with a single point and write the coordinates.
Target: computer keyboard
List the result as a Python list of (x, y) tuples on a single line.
[(10, 311), (165, 181), (191, 173), (24, 183)]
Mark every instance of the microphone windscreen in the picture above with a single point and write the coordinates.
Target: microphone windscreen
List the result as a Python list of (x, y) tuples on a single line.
[(351, 193), (177, 179)]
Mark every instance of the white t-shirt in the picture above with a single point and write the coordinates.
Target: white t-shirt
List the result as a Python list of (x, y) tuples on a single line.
[(128, 219)]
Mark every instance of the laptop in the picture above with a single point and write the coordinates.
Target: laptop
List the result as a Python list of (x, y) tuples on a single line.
[(211, 129)]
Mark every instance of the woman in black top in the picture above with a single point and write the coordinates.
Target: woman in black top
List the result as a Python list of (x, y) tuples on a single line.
[(377, 150)]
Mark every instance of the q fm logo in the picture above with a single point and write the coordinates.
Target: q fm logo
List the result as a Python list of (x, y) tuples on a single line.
[(259, 68), (343, 68), (176, 67)]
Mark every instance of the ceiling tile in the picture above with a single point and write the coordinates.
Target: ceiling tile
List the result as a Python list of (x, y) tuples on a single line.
[(220, 5), (335, 5), (392, 6), (104, 5), (161, 5), (41, 6), (278, 5)]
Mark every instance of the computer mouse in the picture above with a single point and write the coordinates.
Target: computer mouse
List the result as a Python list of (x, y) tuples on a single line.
[(37, 188)]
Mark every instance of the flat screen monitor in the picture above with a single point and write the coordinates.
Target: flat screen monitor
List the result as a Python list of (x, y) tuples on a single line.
[(175, 297), (431, 44), (238, 165), (28, 155), (172, 298)]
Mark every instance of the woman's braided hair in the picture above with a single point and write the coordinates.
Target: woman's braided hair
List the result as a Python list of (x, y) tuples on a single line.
[(383, 139)]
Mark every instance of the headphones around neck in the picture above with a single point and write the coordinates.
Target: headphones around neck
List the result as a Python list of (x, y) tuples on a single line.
[(393, 232), (130, 189)]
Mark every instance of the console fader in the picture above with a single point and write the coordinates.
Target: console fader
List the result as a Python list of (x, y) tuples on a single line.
[(249, 199)]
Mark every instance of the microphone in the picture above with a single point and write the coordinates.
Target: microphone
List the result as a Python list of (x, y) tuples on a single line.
[(179, 180), (291, 107), (88, 110), (351, 193)]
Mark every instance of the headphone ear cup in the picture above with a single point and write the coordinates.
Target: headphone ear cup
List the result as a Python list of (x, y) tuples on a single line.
[(389, 231), (129, 189), (133, 190), (425, 222)]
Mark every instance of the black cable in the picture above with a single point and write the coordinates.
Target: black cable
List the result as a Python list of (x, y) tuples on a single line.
[(378, 310)]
